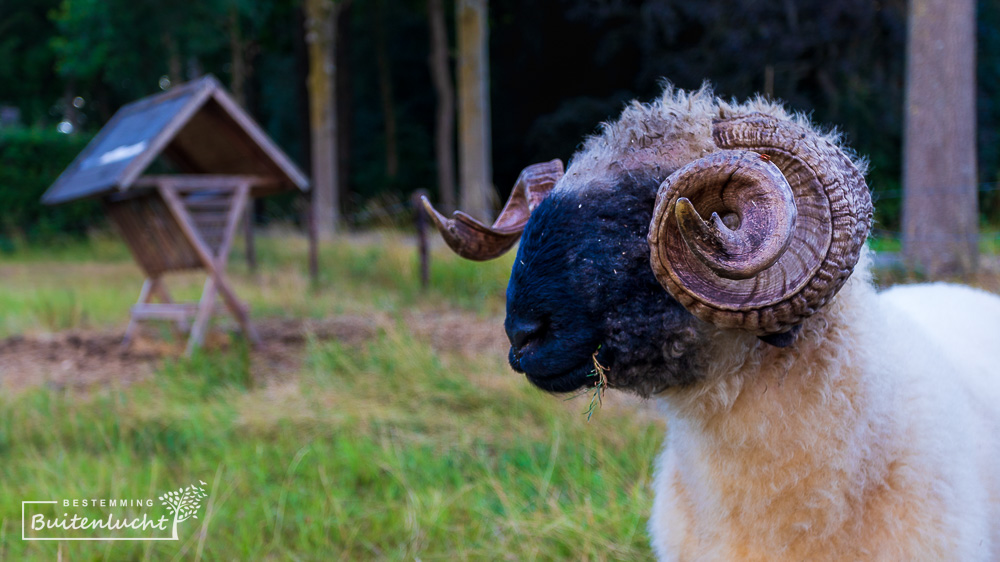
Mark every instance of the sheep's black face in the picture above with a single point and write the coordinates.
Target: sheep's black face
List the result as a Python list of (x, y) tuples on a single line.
[(582, 283)]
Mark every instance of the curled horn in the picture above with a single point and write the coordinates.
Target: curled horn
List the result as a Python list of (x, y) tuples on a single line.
[(788, 214), (473, 240)]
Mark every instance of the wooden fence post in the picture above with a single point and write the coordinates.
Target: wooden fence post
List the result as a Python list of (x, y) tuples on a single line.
[(421, 222), (313, 242)]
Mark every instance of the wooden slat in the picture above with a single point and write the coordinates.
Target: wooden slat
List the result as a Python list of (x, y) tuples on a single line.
[(218, 204), (164, 311), (152, 235), (210, 229), (219, 195), (235, 214), (211, 219), (213, 231), (200, 182)]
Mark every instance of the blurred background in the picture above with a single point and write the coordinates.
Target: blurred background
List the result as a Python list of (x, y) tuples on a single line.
[(555, 70), (377, 418)]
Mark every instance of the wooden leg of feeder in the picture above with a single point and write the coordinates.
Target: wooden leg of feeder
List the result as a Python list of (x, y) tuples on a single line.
[(313, 243), (202, 317), (159, 290), (239, 309), (251, 248), (144, 293)]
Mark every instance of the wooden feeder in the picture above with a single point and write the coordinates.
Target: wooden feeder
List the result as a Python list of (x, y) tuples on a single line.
[(184, 221)]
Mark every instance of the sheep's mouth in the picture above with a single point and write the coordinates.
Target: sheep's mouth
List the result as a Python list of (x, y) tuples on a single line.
[(580, 376)]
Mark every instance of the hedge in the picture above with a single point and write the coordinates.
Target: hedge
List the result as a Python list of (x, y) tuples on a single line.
[(30, 161)]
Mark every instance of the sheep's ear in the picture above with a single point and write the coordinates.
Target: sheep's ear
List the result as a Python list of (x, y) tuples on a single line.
[(784, 339)]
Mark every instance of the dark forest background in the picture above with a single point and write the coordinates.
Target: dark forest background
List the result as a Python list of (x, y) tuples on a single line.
[(557, 69)]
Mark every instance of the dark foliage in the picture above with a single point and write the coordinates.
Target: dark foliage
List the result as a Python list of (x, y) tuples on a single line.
[(30, 161), (557, 70), (578, 61)]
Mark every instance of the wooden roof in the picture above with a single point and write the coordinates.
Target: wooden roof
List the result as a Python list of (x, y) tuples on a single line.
[(197, 127)]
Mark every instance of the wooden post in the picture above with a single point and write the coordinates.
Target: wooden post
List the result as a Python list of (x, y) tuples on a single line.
[(147, 287), (251, 247), (313, 242), (421, 222), (160, 290), (206, 306)]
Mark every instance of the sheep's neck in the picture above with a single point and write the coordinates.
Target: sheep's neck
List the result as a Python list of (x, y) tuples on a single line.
[(787, 449)]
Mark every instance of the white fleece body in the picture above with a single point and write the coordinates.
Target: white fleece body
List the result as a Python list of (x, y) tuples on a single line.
[(876, 436)]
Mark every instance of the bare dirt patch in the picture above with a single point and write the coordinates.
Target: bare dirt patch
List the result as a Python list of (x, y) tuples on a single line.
[(464, 333), (87, 358), (83, 359)]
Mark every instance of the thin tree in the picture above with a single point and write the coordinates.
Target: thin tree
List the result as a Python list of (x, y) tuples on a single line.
[(444, 126), (321, 39), (940, 213), (475, 166), (345, 103)]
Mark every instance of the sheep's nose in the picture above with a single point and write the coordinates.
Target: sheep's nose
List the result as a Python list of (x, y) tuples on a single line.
[(521, 332)]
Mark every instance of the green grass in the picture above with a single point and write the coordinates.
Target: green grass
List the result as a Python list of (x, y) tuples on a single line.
[(92, 284), (388, 449)]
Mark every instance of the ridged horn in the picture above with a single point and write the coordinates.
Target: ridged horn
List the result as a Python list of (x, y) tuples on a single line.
[(762, 212), (474, 240), (789, 213)]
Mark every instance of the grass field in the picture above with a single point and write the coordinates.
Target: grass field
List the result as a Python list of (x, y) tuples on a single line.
[(377, 421), (389, 444)]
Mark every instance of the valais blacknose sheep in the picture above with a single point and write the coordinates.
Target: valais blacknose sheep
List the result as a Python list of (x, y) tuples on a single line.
[(712, 255)]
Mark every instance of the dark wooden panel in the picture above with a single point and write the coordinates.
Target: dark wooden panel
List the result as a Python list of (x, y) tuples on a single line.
[(153, 235)]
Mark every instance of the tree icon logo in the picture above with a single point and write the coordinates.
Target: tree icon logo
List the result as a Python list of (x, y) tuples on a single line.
[(184, 503)]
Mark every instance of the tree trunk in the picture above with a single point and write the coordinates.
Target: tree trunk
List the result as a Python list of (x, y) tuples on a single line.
[(174, 65), (444, 140), (320, 29), (345, 104), (385, 91), (939, 177), (474, 109)]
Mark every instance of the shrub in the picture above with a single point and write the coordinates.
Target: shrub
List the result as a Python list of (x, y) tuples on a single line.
[(30, 162)]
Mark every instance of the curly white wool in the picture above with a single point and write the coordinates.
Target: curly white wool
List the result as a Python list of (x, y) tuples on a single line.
[(875, 437)]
